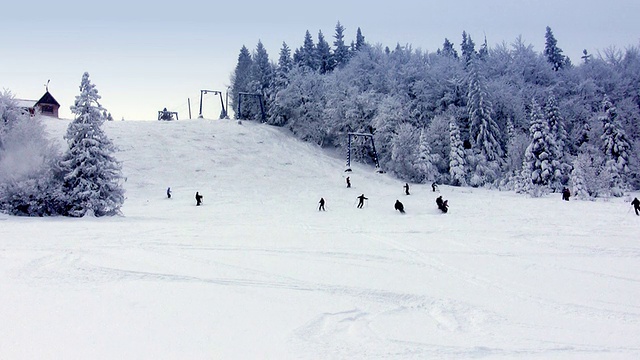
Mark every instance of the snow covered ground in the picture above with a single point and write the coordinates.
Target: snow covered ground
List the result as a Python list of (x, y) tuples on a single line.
[(258, 273)]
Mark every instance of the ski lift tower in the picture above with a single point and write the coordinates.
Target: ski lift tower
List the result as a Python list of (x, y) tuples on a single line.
[(214, 92), (354, 135)]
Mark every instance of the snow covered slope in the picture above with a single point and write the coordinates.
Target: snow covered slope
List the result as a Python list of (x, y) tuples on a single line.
[(258, 273)]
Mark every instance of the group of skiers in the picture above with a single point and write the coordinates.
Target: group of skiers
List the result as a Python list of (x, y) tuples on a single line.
[(399, 206)]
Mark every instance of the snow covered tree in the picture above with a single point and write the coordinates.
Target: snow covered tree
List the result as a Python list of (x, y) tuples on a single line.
[(468, 48), (91, 175), (424, 164), (590, 177), (457, 169), (404, 147), (552, 52), (483, 130), (558, 138), (261, 77), (538, 168), (308, 56), (275, 116), (27, 161), (615, 147)]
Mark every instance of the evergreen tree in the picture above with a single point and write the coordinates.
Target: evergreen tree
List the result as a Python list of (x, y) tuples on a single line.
[(537, 167), (308, 53), (241, 77), (558, 138), (90, 173), (552, 52), (615, 147), (448, 50), (340, 49), (468, 48), (275, 115), (483, 130), (325, 60), (483, 53), (425, 167), (457, 163), (360, 43)]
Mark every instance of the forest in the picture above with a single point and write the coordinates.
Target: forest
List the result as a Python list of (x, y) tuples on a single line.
[(503, 117)]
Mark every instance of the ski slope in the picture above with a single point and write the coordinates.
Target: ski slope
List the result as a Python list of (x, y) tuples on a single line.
[(257, 272)]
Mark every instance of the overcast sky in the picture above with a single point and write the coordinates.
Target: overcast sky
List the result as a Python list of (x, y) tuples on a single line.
[(143, 58)]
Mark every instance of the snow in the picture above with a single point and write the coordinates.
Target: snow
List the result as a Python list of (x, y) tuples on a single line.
[(258, 273)]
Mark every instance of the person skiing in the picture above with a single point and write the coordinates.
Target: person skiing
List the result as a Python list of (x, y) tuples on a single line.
[(434, 186), (169, 193), (321, 207), (361, 200), (406, 188), (443, 205), (636, 205), (348, 182), (198, 199), (566, 194), (398, 206)]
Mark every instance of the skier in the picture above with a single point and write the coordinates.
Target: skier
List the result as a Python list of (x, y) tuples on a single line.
[(566, 194), (398, 206), (169, 193), (361, 200), (636, 205), (198, 199), (442, 204), (434, 186), (321, 207), (348, 182), (406, 188)]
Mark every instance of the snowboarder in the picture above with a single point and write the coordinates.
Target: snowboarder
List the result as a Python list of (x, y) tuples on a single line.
[(398, 206), (406, 188), (321, 207), (566, 194), (169, 193), (361, 200), (198, 199), (636, 205), (443, 205), (434, 186), (348, 182)]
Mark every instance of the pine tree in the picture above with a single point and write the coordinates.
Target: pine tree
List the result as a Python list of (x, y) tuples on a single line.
[(275, 113), (340, 49), (427, 171), (308, 53), (615, 147), (90, 172), (537, 167), (559, 138), (241, 77), (325, 60), (553, 52), (483, 130), (448, 50), (468, 48), (360, 42), (456, 157)]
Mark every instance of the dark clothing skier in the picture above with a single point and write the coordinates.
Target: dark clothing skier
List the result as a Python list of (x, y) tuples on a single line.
[(198, 199), (348, 182), (442, 204), (169, 192), (398, 206), (321, 207), (361, 200), (566, 194), (636, 205), (406, 188), (434, 186)]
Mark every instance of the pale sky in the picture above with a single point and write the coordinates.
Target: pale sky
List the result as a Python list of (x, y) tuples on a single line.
[(144, 57)]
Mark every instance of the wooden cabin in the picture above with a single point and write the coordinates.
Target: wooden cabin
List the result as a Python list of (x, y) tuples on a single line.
[(47, 105)]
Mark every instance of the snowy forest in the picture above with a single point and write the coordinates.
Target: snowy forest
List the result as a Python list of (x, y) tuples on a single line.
[(36, 180), (504, 117)]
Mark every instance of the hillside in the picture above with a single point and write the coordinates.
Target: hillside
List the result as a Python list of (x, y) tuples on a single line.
[(257, 272)]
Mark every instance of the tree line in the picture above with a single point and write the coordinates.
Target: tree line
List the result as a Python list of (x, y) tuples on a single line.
[(506, 116)]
